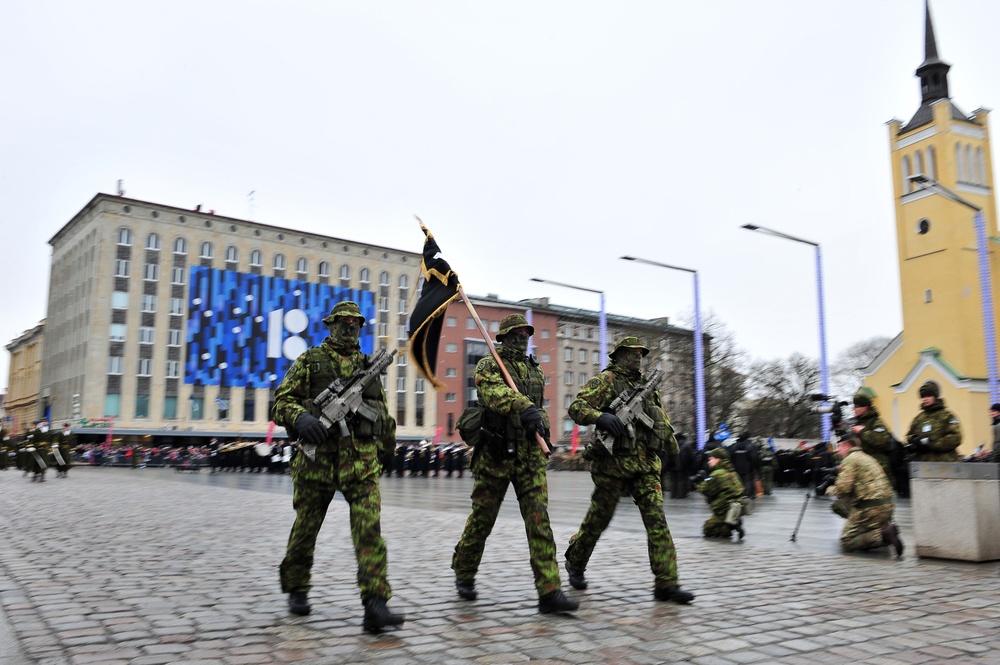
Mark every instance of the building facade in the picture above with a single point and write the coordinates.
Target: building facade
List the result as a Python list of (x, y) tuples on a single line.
[(566, 344), (24, 404), (942, 299), (168, 322)]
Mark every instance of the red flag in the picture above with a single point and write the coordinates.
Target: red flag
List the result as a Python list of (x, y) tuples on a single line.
[(270, 431), (574, 440), (437, 435), (107, 439)]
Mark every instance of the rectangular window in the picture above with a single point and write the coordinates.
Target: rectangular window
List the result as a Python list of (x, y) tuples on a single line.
[(401, 359), (142, 406), (403, 304), (568, 379), (450, 397), (401, 384), (152, 272), (583, 379), (596, 357), (112, 405), (451, 348), (546, 358), (545, 334), (121, 268), (176, 306), (170, 408), (383, 304), (401, 332), (494, 326), (177, 276), (582, 355), (115, 364), (928, 297), (148, 304), (470, 323), (147, 335), (117, 333), (568, 354), (119, 300), (450, 373), (382, 330), (173, 369), (145, 367), (451, 322), (420, 386), (197, 408), (249, 404)]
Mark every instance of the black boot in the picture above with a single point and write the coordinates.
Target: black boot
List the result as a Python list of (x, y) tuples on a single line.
[(674, 593), (576, 578), (739, 529), (378, 616), (557, 602), (466, 588), (890, 536), (298, 603)]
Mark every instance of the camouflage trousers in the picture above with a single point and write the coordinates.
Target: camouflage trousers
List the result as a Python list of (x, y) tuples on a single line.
[(532, 491), (767, 478), (863, 530), (354, 471), (715, 526), (647, 493)]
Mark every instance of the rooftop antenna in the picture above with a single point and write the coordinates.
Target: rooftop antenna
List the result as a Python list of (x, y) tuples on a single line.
[(121, 188)]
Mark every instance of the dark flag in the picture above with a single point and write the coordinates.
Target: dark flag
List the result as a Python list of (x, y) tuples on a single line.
[(439, 290)]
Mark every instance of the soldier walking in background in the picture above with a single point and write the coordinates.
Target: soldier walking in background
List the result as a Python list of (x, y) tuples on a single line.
[(351, 465), (743, 455), (935, 433), (63, 443), (768, 461), (509, 455), (633, 467)]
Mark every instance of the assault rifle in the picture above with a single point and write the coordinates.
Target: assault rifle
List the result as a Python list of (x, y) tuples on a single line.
[(342, 398), (628, 408)]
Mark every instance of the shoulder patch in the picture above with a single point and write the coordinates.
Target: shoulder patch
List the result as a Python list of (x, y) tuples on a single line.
[(594, 383), (953, 421)]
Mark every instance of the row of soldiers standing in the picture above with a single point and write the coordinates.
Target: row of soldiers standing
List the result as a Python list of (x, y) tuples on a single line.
[(37, 450)]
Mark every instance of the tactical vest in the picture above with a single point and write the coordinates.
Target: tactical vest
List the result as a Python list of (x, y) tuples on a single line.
[(322, 373), (509, 428)]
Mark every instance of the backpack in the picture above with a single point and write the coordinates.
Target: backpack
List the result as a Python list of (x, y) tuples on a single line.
[(470, 425)]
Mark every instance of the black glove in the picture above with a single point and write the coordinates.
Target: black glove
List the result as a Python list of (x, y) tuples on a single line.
[(385, 455), (611, 424), (310, 429), (531, 418)]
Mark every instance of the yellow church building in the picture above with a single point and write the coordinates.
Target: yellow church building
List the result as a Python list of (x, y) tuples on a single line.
[(945, 309)]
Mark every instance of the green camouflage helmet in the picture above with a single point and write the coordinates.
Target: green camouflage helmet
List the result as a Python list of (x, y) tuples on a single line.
[(343, 308), (629, 343), (512, 321), (720, 453)]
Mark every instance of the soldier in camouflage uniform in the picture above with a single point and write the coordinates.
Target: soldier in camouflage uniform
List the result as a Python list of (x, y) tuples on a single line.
[(508, 454), (634, 466), (935, 433), (351, 465), (722, 488), (768, 460), (876, 440), (864, 492)]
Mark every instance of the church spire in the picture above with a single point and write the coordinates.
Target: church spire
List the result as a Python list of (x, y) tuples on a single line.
[(933, 72)]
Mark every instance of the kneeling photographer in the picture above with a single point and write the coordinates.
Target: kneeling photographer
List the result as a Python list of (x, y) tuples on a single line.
[(864, 497), (724, 492)]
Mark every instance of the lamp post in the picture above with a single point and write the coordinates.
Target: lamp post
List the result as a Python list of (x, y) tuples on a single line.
[(699, 353), (824, 368), (602, 318), (985, 281)]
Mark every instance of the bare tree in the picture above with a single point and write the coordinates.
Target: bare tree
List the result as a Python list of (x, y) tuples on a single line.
[(847, 373), (780, 403), (725, 370)]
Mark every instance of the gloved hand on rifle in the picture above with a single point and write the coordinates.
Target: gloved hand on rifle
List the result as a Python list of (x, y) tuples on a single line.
[(531, 418), (611, 424), (917, 444), (310, 429)]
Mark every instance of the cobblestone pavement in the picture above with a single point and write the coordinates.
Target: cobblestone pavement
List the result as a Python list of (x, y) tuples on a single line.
[(118, 567)]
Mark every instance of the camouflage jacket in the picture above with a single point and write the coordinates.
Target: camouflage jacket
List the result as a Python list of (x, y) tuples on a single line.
[(722, 487), (861, 478), (295, 394), (876, 440), (503, 405), (942, 428), (644, 455)]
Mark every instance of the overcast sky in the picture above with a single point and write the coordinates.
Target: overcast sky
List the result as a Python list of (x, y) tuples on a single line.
[(535, 139)]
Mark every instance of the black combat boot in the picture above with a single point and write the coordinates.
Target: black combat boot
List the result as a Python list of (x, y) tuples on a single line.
[(378, 616), (739, 529), (298, 603), (890, 536), (576, 578), (674, 593), (557, 601), (466, 588)]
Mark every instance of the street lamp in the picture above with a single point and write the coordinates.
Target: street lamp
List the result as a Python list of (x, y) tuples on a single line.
[(824, 368), (985, 282), (602, 318), (699, 353)]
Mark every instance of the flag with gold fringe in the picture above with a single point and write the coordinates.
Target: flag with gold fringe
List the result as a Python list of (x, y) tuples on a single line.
[(439, 290)]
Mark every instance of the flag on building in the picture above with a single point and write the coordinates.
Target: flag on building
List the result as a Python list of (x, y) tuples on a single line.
[(439, 290), (222, 404)]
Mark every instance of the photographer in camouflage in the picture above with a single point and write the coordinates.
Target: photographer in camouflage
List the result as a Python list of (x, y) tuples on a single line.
[(722, 489), (876, 440), (864, 497), (634, 466), (351, 465), (508, 454), (935, 432)]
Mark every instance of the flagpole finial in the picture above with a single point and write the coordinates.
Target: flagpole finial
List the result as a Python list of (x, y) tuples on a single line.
[(423, 227)]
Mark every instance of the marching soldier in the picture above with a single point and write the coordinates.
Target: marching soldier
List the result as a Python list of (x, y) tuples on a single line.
[(35, 443), (634, 467), (351, 465), (511, 456)]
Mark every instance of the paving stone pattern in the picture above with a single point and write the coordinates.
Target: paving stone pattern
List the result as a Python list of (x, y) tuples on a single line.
[(117, 567)]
